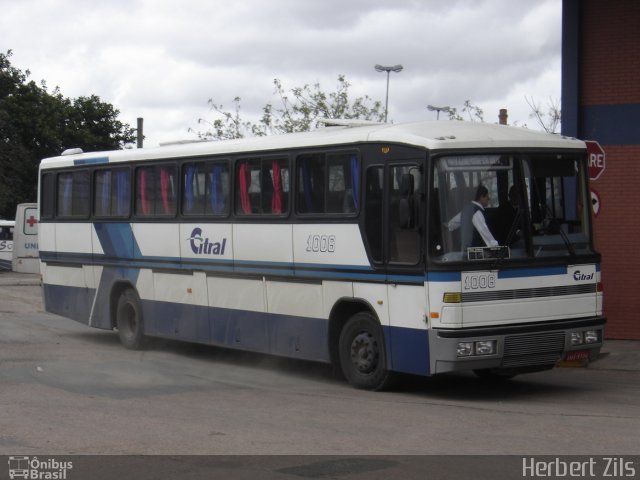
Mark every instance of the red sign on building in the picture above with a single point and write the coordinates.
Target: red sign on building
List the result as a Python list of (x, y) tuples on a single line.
[(596, 159)]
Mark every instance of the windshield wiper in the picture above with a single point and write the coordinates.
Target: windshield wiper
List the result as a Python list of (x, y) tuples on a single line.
[(554, 227)]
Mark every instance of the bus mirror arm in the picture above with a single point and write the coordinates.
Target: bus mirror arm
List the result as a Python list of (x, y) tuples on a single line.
[(512, 233)]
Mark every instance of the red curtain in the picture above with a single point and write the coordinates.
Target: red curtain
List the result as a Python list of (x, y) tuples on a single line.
[(276, 198), (244, 182)]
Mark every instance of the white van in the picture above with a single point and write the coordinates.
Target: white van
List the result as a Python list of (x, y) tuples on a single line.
[(6, 243), (26, 256)]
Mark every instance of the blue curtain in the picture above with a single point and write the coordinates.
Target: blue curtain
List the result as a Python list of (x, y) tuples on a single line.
[(122, 193), (188, 188), (216, 198), (355, 180), (105, 194)]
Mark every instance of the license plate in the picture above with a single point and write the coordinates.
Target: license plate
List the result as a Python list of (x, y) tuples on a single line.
[(577, 355)]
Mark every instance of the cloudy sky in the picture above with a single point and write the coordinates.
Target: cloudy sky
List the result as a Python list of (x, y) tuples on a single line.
[(163, 60)]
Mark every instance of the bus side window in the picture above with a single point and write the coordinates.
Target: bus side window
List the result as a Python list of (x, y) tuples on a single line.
[(102, 193), (248, 188), (328, 183), (205, 188), (193, 189), (47, 198), (6, 233), (73, 194), (218, 189), (404, 235), (311, 176), (168, 190), (144, 191), (262, 186), (121, 199), (156, 191), (112, 191)]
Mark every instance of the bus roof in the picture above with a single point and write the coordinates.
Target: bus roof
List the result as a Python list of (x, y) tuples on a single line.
[(432, 135)]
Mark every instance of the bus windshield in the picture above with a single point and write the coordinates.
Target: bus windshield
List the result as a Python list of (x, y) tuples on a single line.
[(502, 206)]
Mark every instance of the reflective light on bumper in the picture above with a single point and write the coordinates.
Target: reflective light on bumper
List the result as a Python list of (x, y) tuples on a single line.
[(577, 338), (465, 349), (591, 336), (486, 347), (477, 348), (586, 337)]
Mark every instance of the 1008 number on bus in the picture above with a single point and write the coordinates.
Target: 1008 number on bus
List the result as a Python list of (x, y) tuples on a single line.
[(321, 243)]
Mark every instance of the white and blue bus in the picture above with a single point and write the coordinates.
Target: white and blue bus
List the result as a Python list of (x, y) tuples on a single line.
[(343, 245), (6, 243)]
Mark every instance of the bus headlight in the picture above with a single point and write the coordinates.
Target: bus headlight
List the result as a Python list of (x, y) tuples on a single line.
[(480, 347), (591, 336), (577, 338), (465, 349), (486, 347)]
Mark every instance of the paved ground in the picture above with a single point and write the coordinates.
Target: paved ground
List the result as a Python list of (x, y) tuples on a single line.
[(72, 393)]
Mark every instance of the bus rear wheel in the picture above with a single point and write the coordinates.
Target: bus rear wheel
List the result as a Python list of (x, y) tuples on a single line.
[(129, 320), (362, 353)]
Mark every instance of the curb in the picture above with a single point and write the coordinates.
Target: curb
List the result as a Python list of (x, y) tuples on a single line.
[(13, 279)]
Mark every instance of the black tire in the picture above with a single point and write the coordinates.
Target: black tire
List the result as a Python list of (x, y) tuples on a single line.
[(362, 351), (129, 320)]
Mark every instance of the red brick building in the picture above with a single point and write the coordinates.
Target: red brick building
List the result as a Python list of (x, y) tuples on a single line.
[(601, 101)]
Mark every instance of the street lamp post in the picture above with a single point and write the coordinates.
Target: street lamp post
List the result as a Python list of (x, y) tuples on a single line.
[(438, 110), (380, 68)]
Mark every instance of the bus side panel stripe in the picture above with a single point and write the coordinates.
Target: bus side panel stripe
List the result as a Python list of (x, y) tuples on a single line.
[(276, 334), (91, 161), (444, 277), (117, 240), (409, 348), (102, 310), (175, 320), (71, 302), (502, 274), (282, 335), (533, 272)]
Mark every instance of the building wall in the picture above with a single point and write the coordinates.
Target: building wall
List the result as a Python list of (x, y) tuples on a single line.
[(617, 237), (601, 83)]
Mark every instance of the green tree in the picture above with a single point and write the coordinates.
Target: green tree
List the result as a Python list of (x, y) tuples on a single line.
[(36, 123), (297, 110)]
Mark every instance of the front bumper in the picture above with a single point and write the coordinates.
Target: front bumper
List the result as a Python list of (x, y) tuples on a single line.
[(519, 348)]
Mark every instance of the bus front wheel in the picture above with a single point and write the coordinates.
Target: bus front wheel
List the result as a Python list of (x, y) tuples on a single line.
[(362, 353), (129, 320)]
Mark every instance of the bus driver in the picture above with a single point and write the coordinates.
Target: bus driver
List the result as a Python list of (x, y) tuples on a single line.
[(474, 230)]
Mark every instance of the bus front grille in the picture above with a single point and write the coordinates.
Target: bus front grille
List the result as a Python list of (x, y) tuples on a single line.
[(533, 349), (525, 293)]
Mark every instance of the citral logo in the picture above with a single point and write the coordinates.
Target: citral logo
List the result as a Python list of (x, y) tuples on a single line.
[(204, 246), (578, 276)]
